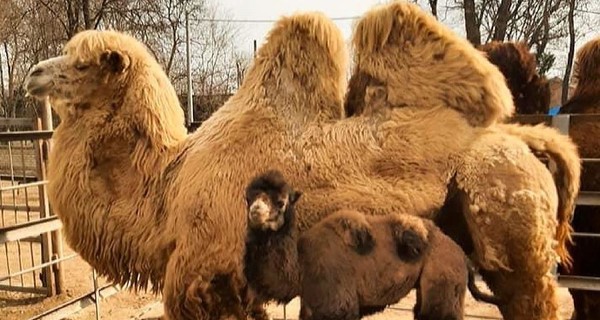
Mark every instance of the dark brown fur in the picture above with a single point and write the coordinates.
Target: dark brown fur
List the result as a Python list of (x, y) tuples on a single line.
[(355, 101), (271, 259), (340, 281), (530, 91), (585, 251), (338, 259)]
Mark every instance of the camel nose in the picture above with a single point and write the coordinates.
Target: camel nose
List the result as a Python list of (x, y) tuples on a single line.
[(36, 71)]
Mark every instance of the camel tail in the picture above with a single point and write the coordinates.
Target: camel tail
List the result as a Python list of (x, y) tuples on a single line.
[(478, 294), (563, 152)]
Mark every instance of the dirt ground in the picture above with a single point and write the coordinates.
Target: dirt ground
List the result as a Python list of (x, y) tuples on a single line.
[(128, 305)]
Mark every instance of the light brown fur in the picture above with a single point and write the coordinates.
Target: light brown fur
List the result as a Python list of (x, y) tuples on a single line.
[(423, 63), (503, 188), (143, 203)]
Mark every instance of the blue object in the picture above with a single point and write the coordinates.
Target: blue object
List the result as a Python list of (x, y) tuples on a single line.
[(554, 111)]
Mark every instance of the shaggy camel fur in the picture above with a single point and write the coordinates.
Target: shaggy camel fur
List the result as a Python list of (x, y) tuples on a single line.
[(145, 205), (585, 251), (351, 265), (530, 91), (419, 62)]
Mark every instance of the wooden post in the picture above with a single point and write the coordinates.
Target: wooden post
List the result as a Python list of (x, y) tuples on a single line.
[(57, 244), (47, 275)]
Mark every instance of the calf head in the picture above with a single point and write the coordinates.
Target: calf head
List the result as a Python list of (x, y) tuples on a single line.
[(270, 202)]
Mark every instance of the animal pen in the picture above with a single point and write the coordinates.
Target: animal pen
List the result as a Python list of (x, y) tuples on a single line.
[(32, 259)]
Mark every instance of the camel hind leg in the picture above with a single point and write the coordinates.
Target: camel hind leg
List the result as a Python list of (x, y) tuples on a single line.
[(509, 203)]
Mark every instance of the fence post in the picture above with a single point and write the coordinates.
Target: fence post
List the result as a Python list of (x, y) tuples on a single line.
[(57, 244), (46, 243)]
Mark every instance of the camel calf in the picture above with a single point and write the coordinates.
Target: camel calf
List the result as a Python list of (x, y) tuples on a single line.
[(350, 265)]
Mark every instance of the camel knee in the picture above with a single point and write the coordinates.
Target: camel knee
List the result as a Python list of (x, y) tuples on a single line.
[(187, 300)]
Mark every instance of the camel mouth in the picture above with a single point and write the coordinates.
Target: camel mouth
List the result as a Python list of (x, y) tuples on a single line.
[(38, 87)]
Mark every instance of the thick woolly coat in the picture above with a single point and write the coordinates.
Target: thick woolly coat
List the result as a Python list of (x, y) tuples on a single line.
[(143, 203)]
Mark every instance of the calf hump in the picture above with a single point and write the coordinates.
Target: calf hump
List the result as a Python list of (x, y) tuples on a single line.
[(410, 245), (358, 236)]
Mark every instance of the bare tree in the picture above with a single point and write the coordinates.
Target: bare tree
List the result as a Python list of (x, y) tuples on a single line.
[(433, 6), (502, 19), (571, 21), (472, 22)]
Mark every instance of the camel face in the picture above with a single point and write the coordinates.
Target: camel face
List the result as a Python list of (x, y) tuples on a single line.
[(266, 210), (71, 80), (268, 198)]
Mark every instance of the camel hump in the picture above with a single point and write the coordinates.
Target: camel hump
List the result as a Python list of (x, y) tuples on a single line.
[(302, 64), (423, 63), (353, 228)]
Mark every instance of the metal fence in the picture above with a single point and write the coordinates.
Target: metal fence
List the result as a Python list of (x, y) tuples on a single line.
[(29, 234)]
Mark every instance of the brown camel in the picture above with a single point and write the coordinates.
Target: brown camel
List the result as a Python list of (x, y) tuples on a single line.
[(350, 265), (530, 90), (146, 205), (585, 251)]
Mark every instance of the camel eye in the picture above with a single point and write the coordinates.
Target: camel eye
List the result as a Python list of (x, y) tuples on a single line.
[(280, 203), (82, 67)]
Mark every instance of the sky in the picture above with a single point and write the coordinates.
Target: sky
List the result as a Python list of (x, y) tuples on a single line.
[(589, 24), (274, 9)]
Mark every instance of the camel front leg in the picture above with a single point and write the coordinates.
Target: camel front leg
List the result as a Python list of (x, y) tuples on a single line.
[(201, 291)]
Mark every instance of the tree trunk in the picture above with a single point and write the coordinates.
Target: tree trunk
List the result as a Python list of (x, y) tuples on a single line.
[(433, 6), (570, 19), (471, 24), (501, 23), (9, 68), (2, 78), (87, 18)]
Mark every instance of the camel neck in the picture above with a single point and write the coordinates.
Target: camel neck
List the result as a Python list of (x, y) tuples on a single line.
[(111, 203)]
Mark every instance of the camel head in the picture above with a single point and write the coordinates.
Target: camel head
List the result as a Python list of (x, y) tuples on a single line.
[(109, 79), (586, 78), (69, 80), (270, 202), (530, 90)]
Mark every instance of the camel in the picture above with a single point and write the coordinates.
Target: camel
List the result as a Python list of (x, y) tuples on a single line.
[(414, 60), (150, 207), (349, 263), (530, 90), (586, 99)]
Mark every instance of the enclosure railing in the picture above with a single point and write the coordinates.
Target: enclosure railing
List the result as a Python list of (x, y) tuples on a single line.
[(29, 233)]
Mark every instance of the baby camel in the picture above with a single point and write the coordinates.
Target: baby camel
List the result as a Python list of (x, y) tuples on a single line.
[(350, 265)]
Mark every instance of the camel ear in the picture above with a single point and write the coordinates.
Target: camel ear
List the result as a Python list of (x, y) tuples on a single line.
[(375, 95), (114, 61), (295, 196), (410, 245)]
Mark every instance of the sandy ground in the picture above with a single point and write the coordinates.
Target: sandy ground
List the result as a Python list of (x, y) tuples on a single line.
[(128, 305), (122, 306)]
